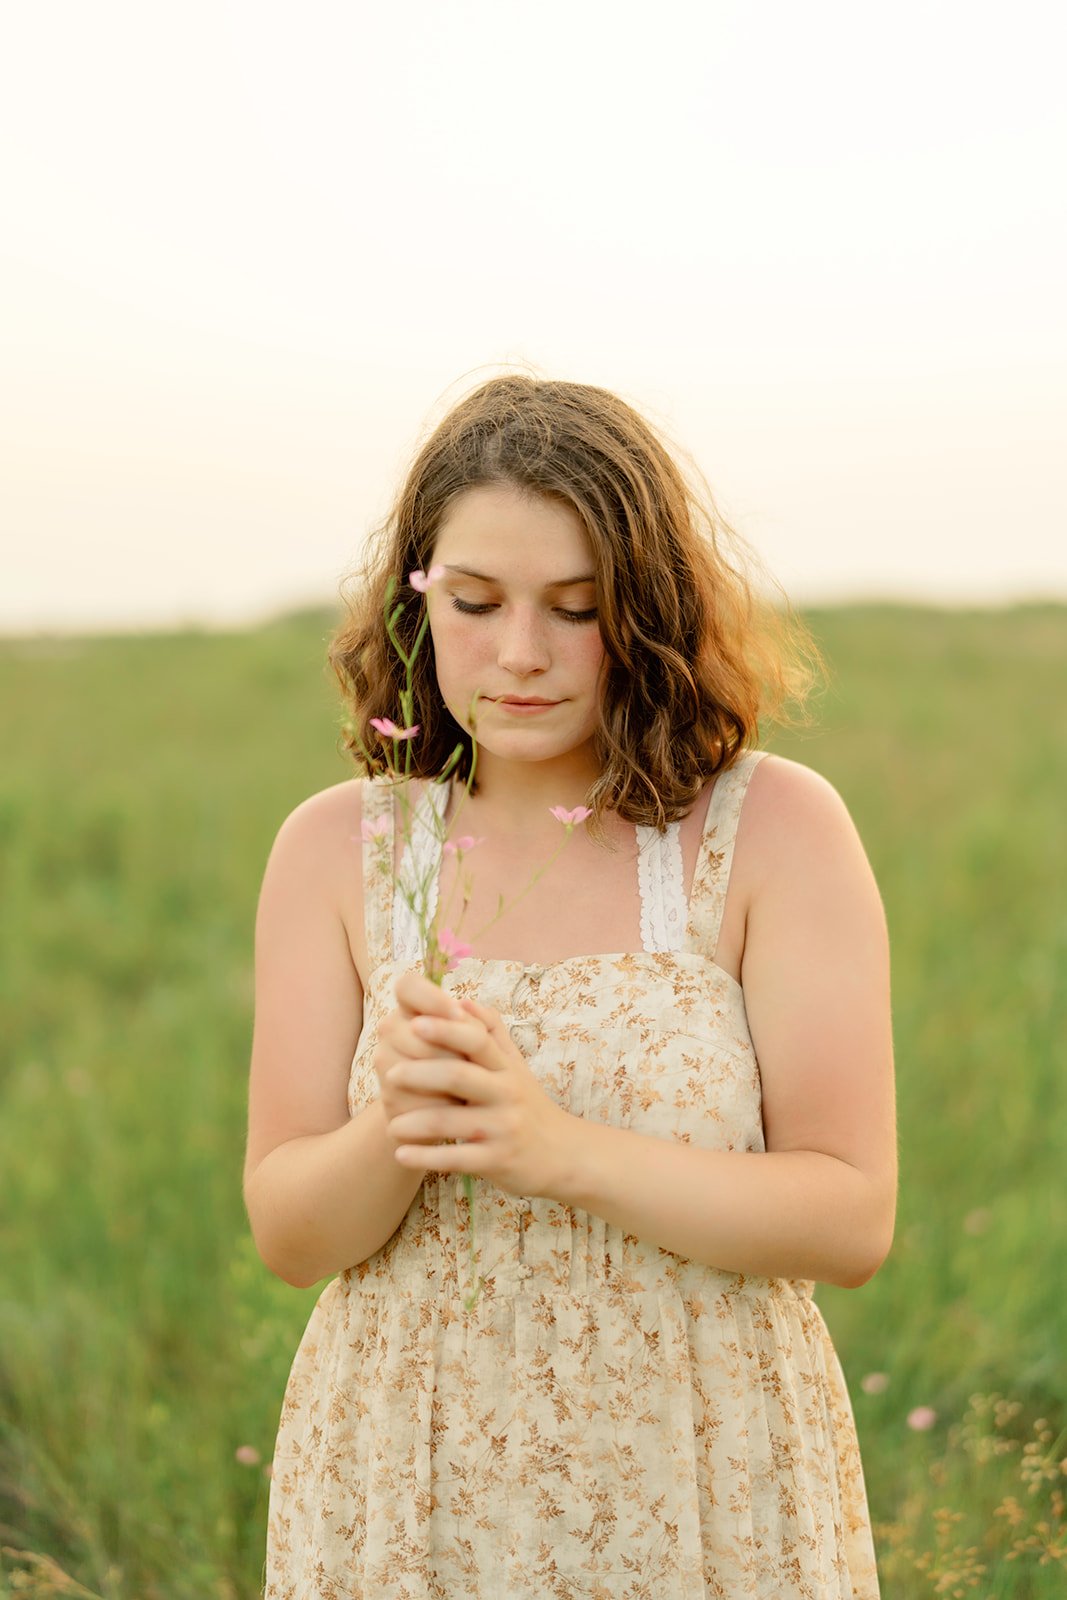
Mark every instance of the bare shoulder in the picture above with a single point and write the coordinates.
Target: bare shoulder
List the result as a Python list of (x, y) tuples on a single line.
[(797, 854), (317, 853), (323, 821), (794, 822)]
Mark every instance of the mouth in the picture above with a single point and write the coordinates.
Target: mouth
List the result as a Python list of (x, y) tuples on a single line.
[(522, 700)]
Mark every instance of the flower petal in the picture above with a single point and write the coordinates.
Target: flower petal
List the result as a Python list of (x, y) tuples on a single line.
[(452, 947), (389, 730), (421, 581), (569, 818)]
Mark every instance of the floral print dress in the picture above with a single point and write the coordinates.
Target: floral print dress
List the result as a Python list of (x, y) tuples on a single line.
[(611, 1421)]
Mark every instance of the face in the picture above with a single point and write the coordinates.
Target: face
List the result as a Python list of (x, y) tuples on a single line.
[(514, 624)]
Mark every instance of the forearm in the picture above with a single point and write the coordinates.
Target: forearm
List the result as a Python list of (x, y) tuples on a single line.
[(779, 1214), (327, 1201)]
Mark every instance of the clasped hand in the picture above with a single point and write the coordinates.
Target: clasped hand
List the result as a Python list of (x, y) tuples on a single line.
[(459, 1096)]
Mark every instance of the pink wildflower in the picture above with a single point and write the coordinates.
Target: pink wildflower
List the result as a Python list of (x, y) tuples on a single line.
[(875, 1383), (247, 1455), (466, 841), (421, 581), (373, 830), (569, 818), (922, 1419), (452, 947), (389, 729)]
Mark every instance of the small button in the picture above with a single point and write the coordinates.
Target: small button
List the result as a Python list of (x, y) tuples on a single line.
[(524, 1272), (523, 1205)]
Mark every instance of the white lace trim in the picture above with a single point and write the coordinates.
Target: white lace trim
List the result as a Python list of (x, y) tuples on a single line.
[(661, 882), (415, 894)]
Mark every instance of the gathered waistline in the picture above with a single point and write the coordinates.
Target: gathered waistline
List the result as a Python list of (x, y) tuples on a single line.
[(733, 1286)]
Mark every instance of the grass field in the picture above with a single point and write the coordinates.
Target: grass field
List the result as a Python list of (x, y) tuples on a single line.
[(141, 1342)]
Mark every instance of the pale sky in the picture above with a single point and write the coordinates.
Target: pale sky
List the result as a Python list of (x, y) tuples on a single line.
[(249, 251)]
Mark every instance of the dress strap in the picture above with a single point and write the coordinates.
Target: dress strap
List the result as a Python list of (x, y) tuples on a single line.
[(711, 880), (377, 833)]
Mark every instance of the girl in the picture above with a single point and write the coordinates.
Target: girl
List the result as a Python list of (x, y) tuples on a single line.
[(667, 1065)]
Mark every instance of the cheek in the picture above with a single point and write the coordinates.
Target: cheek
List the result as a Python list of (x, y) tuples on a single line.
[(455, 648), (592, 655)]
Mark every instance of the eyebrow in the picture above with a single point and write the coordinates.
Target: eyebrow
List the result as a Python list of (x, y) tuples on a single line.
[(557, 583)]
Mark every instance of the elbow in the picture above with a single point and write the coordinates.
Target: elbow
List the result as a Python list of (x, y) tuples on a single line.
[(286, 1264), (298, 1279), (857, 1276), (865, 1262), (297, 1274)]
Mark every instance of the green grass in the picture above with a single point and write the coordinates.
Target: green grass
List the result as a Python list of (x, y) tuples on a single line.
[(141, 1342)]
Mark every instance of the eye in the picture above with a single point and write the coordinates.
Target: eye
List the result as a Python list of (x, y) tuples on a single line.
[(578, 616), (468, 608)]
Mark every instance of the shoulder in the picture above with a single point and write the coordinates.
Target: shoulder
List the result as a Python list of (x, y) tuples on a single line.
[(318, 845), (784, 796), (315, 868), (796, 835), (323, 820)]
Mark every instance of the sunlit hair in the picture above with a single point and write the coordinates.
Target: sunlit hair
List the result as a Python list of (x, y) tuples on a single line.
[(696, 652)]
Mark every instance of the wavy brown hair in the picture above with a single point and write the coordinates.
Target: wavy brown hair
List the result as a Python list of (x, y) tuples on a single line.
[(696, 654)]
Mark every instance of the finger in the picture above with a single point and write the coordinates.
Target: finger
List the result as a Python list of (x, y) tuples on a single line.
[(439, 1125), (491, 1020), (474, 1158), (408, 1043), (416, 995), (468, 1038), (452, 1076)]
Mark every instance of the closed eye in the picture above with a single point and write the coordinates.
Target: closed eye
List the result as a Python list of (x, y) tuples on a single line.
[(469, 609)]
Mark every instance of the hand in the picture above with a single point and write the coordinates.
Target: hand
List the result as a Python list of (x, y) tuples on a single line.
[(397, 1042), (504, 1127)]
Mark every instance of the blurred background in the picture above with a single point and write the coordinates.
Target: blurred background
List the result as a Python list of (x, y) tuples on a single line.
[(248, 255)]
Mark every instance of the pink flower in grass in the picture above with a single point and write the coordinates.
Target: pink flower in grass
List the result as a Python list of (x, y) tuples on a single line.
[(421, 581), (875, 1383), (373, 830), (452, 947), (466, 841), (922, 1419), (247, 1455), (389, 730), (569, 818)]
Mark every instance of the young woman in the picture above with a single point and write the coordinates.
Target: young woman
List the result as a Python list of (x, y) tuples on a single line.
[(667, 1065)]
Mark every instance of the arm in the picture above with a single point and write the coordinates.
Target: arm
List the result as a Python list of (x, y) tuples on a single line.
[(323, 1191), (819, 1202)]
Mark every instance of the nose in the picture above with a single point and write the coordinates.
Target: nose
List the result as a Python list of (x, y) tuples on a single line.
[(522, 648)]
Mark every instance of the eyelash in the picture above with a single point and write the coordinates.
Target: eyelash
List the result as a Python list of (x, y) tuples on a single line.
[(469, 610)]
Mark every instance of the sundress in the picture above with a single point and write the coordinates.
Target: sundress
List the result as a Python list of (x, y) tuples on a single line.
[(611, 1421)]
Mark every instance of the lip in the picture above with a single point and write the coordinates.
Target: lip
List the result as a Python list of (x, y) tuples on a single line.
[(513, 706)]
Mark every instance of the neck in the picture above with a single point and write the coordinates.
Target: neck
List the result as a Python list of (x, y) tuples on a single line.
[(519, 795)]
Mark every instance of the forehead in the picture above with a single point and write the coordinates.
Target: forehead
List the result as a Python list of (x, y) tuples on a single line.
[(495, 527)]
